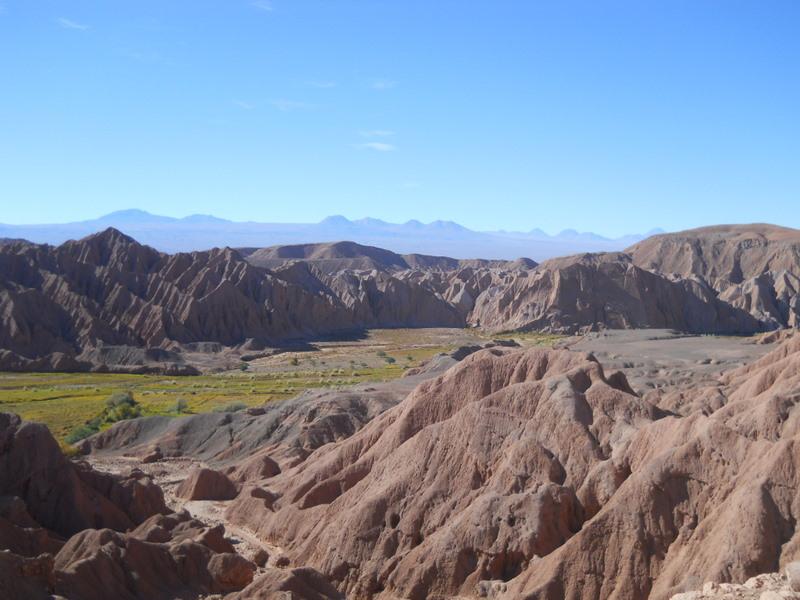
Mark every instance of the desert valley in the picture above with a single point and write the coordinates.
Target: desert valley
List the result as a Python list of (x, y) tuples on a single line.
[(377, 300), (336, 420)]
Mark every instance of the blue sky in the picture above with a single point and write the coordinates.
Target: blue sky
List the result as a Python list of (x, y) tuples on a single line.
[(609, 116)]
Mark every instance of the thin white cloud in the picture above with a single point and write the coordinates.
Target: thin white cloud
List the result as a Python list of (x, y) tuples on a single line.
[(378, 146), (323, 85), (370, 133), (287, 105), (70, 24), (383, 84), (263, 5), (244, 105)]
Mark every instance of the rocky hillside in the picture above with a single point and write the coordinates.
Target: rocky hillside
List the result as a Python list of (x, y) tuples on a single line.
[(516, 473), (606, 291), (336, 256), (752, 267), (69, 530), (721, 254), (535, 474), (58, 305), (108, 302), (464, 482), (724, 279)]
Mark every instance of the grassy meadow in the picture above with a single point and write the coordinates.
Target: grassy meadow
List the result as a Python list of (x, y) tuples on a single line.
[(65, 401)]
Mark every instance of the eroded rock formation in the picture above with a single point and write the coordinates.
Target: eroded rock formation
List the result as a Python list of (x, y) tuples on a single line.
[(107, 302), (535, 474), (69, 530)]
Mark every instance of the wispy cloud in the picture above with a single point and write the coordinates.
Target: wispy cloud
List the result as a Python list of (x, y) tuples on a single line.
[(244, 105), (323, 85), (372, 133), (378, 146), (70, 24), (263, 5), (383, 84), (287, 105)]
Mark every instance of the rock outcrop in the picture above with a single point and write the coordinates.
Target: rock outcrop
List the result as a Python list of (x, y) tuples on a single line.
[(101, 563), (206, 484), (303, 582), (70, 531), (769, 586), (65, 497), (753, 267), (598, 291)]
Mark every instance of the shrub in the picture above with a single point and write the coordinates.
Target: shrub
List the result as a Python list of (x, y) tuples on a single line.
[(390, 360), (121, 406), (180, 406), (243, 367), (295, 361), (79, 433), (381, 353), (119, 398)]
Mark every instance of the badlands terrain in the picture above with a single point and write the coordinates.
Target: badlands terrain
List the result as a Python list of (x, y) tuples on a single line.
[(108, 303), (603, 426)]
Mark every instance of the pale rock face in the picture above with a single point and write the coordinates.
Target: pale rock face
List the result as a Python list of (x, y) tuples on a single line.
[(793, 575), (771, 586)]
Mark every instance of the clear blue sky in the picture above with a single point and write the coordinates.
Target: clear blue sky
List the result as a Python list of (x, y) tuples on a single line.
[(609, 116)]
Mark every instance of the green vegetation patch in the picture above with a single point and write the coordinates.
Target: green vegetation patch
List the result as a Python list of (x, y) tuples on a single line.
[(67, 401)]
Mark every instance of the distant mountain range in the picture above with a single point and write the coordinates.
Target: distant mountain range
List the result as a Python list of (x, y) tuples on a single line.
[(442, 238)]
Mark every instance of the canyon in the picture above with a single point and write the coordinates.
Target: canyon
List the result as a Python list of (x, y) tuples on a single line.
[(647, 450), (106, 302)]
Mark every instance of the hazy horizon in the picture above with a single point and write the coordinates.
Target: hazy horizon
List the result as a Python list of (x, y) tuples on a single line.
[(438, 238), (606, 117), (202, 218)]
